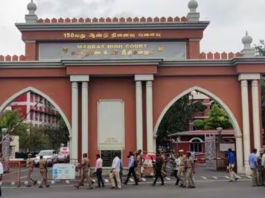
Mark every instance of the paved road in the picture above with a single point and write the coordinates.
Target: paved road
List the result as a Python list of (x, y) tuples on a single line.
[(201, 174), (219, 189)]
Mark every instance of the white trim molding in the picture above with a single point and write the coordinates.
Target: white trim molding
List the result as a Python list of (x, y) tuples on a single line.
[(34, 90), (143, 77), (79, 78), (249, 77), (195, 138), (224, 106)]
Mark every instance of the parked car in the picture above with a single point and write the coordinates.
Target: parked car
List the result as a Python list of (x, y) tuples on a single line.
[(64, 155), (49, 155)]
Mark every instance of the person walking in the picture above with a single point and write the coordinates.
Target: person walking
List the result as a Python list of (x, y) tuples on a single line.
[(182, 169), (176, 168), (30, 167), (231, 166), (253, 163), (43, 172), (260, 170), (85, 167), (132, 166), (139, 159), (1, 177), (115, 172), (190, 171), (158, 169), (98, 171)]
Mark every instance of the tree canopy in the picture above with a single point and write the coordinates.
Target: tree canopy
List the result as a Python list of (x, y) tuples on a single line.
[(178, 116), (34, 138), (217, 118), (260, 48)]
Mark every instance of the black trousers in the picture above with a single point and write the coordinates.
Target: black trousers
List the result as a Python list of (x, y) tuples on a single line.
[(159, 175), (99, 177), (131, 172), (176, 176)]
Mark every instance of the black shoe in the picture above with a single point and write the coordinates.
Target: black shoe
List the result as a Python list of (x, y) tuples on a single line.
[(35, 183), (162, 184), (47, 186), (40, 187)]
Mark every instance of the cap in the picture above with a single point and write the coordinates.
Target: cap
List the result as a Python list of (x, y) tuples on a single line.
[(181, 151)]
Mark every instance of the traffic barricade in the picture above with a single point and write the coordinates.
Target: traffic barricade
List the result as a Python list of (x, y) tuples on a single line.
[(13, 174)]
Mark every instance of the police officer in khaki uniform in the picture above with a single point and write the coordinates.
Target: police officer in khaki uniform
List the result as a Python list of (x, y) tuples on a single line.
[(30, 166), (163, 156), (139, 159), (85, 166), (43, 172), (190, 171), (182, 169)]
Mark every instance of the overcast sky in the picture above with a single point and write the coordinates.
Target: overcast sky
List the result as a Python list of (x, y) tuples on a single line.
[(229, 18)]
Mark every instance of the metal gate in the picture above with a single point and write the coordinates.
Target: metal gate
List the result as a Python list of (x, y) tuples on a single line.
[(210, 152)]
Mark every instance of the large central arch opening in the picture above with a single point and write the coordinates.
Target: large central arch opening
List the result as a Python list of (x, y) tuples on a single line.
[(197, 121), (33, 123)]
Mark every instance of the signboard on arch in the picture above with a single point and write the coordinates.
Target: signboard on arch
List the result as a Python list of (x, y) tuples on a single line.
[(116, 50)]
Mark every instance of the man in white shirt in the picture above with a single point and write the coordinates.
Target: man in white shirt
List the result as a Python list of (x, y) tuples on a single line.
[(115, 172), (98, 171)]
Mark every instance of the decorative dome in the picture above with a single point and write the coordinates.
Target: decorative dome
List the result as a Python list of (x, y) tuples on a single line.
[(32, 7), (193, 4), (247, 39)]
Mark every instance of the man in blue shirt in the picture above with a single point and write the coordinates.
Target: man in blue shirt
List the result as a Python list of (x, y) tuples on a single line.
[(132, 166), (231, 165), (253, 163)]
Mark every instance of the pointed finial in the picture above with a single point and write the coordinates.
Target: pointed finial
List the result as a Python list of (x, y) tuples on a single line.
[(193, 15), (31, 17), (248, 51)]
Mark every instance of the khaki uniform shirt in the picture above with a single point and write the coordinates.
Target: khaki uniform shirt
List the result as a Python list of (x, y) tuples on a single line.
[(42, 165), (30, 164), (182, 163), (85, 165), (190, 162)]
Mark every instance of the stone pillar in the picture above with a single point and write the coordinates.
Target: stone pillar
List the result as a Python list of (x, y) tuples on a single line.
[(139, 115), (149, 116), (75, 79), (74, 137), (84, 117), (245, 118), (239, 154), (256, 115)]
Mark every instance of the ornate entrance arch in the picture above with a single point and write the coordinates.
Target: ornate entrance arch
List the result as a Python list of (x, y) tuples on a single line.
[(120, 60), (238, 133), (23, 91)]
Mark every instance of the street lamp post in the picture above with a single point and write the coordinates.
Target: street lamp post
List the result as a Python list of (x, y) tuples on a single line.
[(5, 148)]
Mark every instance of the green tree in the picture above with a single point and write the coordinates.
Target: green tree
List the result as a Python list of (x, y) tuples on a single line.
[(178, 116), (59, 135), (260, 48), (12, 121), (217, 118), (199, 125)]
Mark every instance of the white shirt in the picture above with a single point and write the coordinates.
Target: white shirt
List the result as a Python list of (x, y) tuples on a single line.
[(99, 163), (1, 169), (263, 160), (116, 164), (177, 161)]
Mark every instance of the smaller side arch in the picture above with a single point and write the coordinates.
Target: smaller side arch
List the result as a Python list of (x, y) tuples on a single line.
[(208, 93), (23, 91), (196, 138)]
